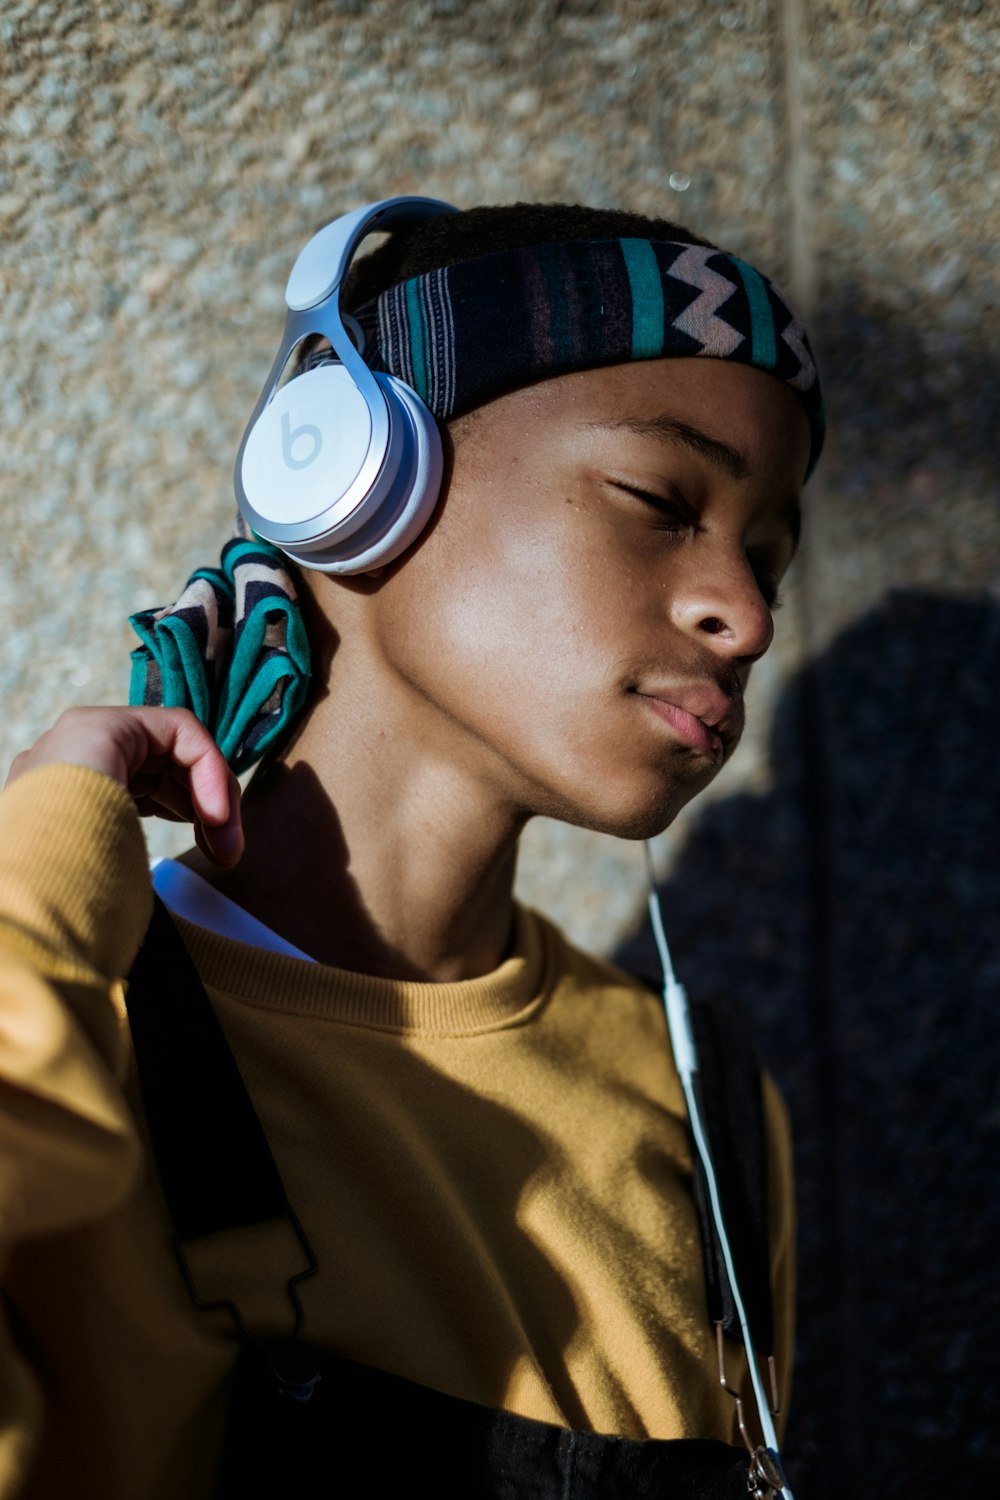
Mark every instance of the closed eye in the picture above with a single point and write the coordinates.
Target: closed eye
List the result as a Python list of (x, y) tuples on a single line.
[(670, 508), (676, 515)]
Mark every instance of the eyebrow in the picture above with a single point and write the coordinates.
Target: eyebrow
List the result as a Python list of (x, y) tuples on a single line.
[(730, 460), (670, 430)]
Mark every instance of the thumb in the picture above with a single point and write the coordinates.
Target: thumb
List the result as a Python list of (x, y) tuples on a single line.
[(222, 841)]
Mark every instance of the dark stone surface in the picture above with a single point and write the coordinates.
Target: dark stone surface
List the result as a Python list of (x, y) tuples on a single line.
[(853, 909)]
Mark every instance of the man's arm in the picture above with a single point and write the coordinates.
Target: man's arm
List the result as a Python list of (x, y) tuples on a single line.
[(75, 900)]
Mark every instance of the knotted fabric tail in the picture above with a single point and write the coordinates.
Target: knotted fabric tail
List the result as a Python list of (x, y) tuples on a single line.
[(233, 649)]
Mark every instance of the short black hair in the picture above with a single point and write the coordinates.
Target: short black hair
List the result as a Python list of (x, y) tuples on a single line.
[(449, 238)]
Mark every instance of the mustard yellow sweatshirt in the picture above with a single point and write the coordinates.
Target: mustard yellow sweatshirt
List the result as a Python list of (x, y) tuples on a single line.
[(494, 1175)]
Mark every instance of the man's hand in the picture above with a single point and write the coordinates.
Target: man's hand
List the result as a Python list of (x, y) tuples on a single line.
[(164, 757)]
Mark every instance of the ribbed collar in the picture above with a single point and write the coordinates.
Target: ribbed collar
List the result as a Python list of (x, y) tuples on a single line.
[(274, 981)]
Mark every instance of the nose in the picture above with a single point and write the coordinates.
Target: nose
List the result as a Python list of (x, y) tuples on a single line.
[(726, 606)]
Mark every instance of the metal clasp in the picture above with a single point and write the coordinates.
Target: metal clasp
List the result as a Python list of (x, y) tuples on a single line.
[(766, 1474)]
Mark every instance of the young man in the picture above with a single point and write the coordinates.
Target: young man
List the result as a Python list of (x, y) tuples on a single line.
[(480, 1129)]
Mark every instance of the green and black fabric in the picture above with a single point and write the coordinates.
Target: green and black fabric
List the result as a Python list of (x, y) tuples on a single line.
[(233, 649), (469, 332)]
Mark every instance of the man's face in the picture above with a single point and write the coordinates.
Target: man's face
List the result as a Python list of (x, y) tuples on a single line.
[(577, 627)]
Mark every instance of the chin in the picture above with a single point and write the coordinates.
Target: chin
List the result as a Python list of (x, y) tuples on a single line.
[(636, 813), (641, 824)]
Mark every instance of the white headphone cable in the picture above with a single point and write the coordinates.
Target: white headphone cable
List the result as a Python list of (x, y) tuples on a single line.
[(675, 1003)]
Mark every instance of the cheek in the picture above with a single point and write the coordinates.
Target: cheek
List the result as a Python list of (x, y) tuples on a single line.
[(522, 632), (500, 616)]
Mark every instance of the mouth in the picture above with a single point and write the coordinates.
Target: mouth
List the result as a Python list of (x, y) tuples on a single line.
[(701, 715)]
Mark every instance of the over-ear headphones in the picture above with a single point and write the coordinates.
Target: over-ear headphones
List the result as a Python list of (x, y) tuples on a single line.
[(341, 466)]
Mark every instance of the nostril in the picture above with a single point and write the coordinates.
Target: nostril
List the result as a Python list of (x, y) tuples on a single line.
[(712, 625)]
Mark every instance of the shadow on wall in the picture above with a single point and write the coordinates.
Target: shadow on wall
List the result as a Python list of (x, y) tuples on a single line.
[(854, 911)]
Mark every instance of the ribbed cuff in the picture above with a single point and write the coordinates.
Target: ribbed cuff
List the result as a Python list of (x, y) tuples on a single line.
[(73, 866)]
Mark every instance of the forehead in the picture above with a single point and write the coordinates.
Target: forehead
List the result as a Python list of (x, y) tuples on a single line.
[(753, 417)]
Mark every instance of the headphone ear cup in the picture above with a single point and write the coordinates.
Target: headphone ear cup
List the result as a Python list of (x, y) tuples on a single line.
[(411, 492), (334, 488), (341, 466)]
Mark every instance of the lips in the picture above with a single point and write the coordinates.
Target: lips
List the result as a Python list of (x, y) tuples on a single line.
[(701, 714)]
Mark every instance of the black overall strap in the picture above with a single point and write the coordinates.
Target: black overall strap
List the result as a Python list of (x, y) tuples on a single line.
[(213, 1157)]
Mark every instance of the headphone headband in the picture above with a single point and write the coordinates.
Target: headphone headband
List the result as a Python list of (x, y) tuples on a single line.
[(322, 264)]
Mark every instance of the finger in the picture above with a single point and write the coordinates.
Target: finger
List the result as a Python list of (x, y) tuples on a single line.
[(133, 744), (198, 784), (223, 843), (183, 740), (145, 749), (171, 794)]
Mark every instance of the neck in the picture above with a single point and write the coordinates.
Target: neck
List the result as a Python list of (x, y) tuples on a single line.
[(371, 849)]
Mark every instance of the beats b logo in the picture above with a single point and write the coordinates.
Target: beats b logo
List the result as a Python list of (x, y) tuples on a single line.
[(306, 448), (307, 433)]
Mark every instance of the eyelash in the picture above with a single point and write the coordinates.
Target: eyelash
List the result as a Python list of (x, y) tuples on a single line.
[(672, 510)]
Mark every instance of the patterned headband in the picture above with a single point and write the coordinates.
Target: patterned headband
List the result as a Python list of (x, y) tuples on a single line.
[(464, 334)]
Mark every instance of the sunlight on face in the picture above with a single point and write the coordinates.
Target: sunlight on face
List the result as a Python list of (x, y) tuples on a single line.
[(597, 583)]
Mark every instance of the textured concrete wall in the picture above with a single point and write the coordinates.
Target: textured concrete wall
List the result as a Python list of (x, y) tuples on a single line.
[(161, 164)]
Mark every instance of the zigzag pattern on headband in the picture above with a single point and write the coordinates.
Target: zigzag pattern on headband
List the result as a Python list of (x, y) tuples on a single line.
[(465, 334)]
